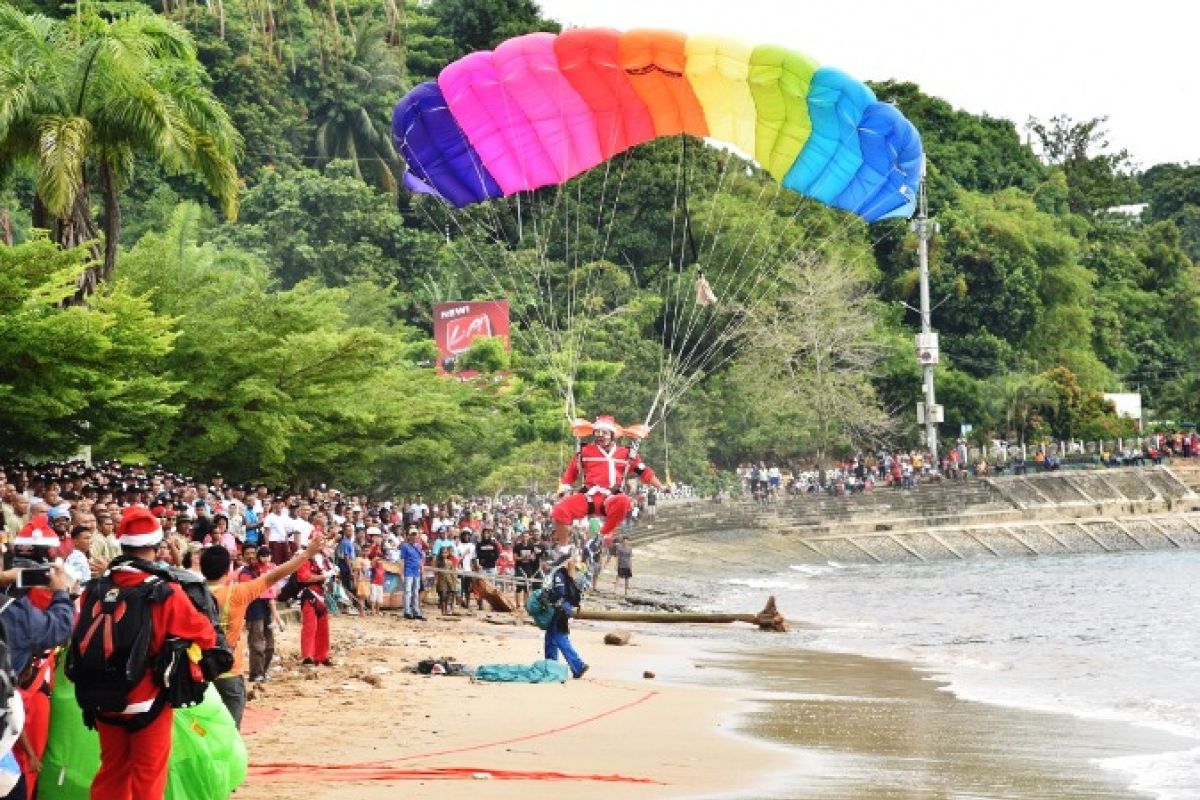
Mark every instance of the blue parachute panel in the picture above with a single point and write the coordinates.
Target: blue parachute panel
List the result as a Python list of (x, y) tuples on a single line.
[(832, 154), (891, 161)]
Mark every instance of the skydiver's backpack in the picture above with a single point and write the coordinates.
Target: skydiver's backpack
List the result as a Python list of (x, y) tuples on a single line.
[(109, 651), (540, 609)]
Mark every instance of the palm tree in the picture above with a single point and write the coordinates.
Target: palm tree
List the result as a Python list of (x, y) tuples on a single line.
[(367, 76), (81, 98)]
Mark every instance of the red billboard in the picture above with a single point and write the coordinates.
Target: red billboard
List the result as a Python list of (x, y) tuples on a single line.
[(456, 325)]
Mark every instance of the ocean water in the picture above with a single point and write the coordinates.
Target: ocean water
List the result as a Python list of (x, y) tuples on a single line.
[(1097, 637)]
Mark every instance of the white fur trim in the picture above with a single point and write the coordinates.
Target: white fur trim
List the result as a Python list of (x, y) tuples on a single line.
[(141, 539), (37, 541)]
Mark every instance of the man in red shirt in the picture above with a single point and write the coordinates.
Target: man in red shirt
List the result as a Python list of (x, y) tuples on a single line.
[(605, 465), (135, 743)]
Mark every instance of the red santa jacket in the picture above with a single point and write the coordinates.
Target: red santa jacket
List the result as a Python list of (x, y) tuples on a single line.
[(603, 470)]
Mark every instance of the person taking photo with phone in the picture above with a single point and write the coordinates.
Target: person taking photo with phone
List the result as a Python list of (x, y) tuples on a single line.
[(37, 614)]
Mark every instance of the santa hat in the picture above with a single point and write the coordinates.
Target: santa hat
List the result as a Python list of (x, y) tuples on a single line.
[(138, 528), (37, 533), (606, 423)]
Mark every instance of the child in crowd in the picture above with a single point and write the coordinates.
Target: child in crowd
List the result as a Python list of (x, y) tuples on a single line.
[(362, 581), (377, 575)]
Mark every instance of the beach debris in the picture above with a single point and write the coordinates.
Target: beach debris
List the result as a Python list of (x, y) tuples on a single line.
[(492, 596), (648, 675), (769, 619), (618, 638), (370, 678)]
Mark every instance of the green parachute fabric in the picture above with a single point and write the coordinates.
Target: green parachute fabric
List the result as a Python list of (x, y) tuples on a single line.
[(538, 672), (208, 757)]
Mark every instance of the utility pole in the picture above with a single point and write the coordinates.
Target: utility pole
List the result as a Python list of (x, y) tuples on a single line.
[(928, 412)]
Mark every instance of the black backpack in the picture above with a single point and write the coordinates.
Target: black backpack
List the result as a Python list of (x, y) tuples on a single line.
[(110, 647), (290, 590)]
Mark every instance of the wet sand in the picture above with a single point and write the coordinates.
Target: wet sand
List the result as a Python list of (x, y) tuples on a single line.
[(873, 729)]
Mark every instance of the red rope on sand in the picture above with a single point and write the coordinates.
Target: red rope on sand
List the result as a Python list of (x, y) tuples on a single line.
[(283, 770), (335, 774)]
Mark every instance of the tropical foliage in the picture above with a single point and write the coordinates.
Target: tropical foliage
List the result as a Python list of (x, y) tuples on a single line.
[(293, 342)]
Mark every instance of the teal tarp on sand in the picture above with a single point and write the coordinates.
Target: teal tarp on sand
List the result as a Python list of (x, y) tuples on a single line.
[(543, 671), (208, 757)]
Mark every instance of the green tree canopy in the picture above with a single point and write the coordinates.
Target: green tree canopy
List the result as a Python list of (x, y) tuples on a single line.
[(81, 98)]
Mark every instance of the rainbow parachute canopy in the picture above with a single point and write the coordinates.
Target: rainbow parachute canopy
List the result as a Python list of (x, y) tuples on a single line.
[(540, 109)]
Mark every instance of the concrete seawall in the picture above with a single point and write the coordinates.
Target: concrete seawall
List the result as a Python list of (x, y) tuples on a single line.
[(1150, 508)]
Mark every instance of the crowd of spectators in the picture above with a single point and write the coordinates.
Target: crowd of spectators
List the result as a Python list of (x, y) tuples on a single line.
[(350, 553), (765, 481)]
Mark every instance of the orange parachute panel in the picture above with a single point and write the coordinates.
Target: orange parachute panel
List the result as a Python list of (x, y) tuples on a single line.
[(589, 59), (656, 63)]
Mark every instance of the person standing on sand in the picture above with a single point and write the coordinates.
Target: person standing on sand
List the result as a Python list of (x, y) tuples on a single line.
[(565, 597), (233, 598), (624, 553), (414, 560)]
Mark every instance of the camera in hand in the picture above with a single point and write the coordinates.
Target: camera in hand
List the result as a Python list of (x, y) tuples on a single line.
[(33, 576)]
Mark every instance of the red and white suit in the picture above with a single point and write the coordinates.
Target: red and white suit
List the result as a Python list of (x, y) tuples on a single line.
[(604, 470), (133, 764)]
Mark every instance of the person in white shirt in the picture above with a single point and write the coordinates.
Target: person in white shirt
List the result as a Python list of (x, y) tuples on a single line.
[(278, 527), (301, 528), (466, 555)]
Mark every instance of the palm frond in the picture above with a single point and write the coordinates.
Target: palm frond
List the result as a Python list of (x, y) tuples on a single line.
[(62, 149)]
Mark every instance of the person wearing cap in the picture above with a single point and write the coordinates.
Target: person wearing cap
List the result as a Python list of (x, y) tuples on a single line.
[(135, 743), (564, 594), (604, 465), (60, 521), (414, 561), (233, 598)]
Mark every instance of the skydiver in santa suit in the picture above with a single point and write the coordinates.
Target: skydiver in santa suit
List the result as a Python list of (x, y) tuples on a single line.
[(604, 465)]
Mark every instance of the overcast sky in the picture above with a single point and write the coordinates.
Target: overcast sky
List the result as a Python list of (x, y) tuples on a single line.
[(1138, 63)]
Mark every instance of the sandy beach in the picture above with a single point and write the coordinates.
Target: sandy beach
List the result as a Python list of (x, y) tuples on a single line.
[(369, 726)]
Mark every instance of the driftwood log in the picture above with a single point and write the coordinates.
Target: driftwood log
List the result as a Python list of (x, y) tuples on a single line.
[(769, 619), (493, 596)]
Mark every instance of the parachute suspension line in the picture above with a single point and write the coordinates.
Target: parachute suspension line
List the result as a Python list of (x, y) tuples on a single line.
[(690, 342), (666, 450), (696, 359), (771, 256), (531, 335), (811, 254), (680, 344), (625, 158), (520, 221), (750, 299), (671, 282)]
